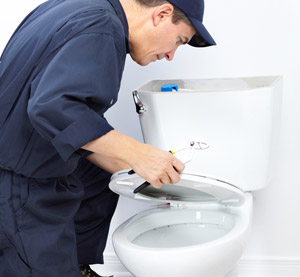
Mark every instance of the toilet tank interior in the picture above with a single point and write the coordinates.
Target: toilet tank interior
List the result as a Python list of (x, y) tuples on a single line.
[(205, 85)]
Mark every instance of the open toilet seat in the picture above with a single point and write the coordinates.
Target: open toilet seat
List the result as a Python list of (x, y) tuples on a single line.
[(205, 224), (192, 189)]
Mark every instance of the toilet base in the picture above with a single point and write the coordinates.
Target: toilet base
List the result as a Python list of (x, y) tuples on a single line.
[(147, 254)]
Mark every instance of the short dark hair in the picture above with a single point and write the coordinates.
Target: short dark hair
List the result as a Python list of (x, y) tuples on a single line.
[(177, 16)]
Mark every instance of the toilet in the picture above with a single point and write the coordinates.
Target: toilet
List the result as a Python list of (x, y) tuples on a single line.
[(226, 132)]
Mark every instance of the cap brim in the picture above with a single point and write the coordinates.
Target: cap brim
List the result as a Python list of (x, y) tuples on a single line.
[(202, 38)]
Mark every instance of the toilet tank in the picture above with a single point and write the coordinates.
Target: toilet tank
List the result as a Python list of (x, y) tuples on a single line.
[(238, 118)]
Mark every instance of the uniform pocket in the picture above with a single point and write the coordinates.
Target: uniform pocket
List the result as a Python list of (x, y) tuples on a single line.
[(23, 193), (26, 193), (11, 261), (12, 258)]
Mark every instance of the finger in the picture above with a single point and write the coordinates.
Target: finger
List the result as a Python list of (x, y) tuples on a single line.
[(174, 177), (178, 165), (165, 180), (157, 184)]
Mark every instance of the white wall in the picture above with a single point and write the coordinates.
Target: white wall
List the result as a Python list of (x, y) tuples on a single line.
[(255, 37)]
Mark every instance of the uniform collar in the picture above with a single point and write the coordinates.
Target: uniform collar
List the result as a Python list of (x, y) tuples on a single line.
[(121, 14)]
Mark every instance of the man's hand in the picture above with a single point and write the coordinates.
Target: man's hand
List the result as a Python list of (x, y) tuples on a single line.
[(115, 151), (157, 167)]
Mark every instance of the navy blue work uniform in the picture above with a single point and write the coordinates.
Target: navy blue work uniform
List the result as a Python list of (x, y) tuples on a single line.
[(59, 73)]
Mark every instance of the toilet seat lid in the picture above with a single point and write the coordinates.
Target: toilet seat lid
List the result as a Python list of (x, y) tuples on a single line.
[(192, 189)]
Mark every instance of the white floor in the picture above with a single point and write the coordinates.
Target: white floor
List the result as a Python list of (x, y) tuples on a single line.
[(105, 271), (247, 267)]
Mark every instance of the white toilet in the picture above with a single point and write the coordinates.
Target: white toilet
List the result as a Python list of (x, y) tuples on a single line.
[(227, 130)]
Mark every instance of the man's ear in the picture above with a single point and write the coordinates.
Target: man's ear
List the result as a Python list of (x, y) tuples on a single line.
[(161, 13)]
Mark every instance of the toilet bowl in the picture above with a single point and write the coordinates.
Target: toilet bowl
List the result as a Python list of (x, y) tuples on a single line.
[(200, 231), (200, 226)]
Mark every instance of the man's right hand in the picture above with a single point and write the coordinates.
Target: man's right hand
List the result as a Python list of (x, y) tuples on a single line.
[(116, 151)]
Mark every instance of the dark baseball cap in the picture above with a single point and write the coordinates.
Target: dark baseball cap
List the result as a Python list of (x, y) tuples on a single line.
[(194, 10)]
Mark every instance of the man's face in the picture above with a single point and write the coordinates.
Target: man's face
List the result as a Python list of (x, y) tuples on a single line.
[(161, 42)]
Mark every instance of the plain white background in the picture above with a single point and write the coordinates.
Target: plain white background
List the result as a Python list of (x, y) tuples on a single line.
[(255, 37)]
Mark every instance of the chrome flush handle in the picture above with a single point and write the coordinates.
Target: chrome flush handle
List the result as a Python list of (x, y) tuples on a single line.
[(140, 107)]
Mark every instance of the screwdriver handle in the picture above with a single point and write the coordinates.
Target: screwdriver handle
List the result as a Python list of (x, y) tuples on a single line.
[(141, 187)]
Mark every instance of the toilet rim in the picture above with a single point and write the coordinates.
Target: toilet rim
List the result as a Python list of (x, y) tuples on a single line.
[(242, 218)]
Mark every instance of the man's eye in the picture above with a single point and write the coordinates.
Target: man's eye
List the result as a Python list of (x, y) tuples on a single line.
[(179, 41)]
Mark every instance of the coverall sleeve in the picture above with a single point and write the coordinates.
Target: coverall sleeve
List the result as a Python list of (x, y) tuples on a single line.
[(70, 95)]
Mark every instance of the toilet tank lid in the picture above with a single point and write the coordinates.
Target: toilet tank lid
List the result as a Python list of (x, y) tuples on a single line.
[(191, 189), (212, 85)]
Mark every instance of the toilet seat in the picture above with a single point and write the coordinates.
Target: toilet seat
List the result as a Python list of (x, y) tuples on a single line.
[(204, 219), (192, 189)]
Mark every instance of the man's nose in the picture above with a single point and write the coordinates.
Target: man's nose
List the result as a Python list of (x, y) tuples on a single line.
[(170, 55)]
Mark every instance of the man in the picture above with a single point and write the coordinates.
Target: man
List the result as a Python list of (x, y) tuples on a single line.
[(59, 73)]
